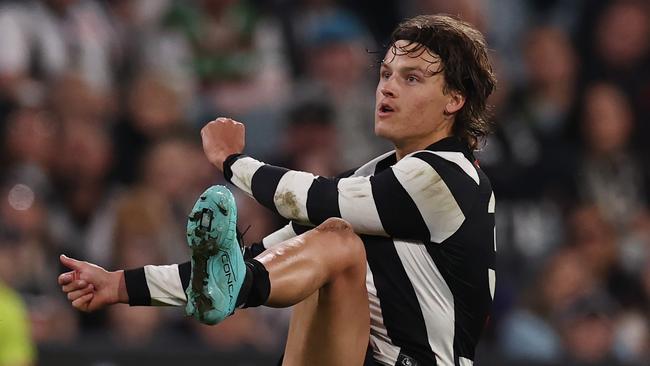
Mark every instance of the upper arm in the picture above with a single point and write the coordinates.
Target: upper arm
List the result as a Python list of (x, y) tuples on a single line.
[(425, 196)]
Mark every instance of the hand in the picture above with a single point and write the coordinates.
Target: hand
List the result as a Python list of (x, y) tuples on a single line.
[(90, 287), (222, 138)]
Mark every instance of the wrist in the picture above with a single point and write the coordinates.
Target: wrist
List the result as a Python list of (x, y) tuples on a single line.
[(122, 296), (227, 164)]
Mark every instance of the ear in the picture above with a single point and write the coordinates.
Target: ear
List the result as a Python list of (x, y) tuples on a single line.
[(455, 102)]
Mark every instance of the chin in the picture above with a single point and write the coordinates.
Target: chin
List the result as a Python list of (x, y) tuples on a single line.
[(383, 132), (379, 131)]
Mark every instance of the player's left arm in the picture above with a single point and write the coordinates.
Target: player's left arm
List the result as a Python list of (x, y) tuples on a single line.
[(409, 200)]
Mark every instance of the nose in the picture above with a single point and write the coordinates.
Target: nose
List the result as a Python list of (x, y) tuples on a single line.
[(387, 88)]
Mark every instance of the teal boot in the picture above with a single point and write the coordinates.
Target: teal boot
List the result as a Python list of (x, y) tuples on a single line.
[(218, 267)]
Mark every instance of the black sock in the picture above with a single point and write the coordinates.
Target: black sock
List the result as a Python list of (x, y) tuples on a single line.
[(256, 287)]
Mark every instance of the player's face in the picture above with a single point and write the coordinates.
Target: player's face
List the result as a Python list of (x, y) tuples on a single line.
[(410, 102)]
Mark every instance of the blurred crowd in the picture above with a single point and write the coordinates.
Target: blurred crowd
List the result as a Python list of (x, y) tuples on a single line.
[(101, 102)]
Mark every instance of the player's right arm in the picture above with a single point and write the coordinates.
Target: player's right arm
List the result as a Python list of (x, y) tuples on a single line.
[(90, 287)]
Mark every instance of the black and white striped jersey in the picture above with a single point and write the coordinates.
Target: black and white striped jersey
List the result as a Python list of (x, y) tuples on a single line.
[(427, 223)]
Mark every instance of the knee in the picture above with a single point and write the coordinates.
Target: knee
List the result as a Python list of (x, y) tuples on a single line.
[(335, 224), (344, 242)]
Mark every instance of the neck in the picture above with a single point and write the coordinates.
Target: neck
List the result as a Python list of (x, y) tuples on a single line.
[(404, 148)]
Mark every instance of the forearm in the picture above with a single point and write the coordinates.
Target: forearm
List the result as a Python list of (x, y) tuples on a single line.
[(157, 285), (297, 196)]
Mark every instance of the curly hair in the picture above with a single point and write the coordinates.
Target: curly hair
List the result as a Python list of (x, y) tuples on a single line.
[(464, 63)]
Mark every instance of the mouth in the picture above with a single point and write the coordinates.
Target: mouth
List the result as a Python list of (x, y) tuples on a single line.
[(384, 109)]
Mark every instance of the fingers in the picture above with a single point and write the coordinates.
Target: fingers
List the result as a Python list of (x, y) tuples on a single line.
[(225, 120), (83, 302), (74, 286), (74, 295), (66, 278), (71, 263)]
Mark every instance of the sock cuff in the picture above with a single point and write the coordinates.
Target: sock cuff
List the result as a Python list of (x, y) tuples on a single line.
[(260, 285)]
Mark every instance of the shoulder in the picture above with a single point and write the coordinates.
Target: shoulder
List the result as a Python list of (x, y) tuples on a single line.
[(451, 166), (445, 173)]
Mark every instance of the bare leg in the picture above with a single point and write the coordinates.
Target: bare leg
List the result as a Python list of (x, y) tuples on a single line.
[(323, 271)]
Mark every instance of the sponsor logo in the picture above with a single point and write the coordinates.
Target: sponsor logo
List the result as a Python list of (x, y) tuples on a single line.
[(227, 270)]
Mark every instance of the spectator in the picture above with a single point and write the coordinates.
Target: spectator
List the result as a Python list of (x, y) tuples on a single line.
[(609, 174), (532, 332), (16, 346)]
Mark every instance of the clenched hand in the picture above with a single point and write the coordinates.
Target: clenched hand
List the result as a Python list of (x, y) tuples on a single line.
[(222, 138)]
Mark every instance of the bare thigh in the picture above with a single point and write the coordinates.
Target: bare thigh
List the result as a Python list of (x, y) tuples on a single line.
[(322, 273), (330, 327)]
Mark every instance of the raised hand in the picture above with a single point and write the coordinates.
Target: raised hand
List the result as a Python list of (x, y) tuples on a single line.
[(90, 287), (222, 138)]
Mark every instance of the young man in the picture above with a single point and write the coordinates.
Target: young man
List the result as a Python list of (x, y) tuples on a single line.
[(401, 261)]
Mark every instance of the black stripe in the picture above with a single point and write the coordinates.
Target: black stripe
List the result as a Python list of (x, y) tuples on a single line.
[(185, 272), (264, 183), (452, 143), (385, 163), (398, 213), (300, 229), (347, 173), (463, 261), (227, 166), (136, 287), (323, 200), (253, 250), (462, 186), (399, 305)]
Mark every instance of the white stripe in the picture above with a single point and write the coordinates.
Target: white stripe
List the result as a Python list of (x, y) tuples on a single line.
[(462, 361), (436, 203), (384, 351), (495, 239), (459, 159), (357, 206), (368, 168), (492, 204), (434, 296), (290, 196), (279, 236), (492, 278), (165, 287), (242, 173)]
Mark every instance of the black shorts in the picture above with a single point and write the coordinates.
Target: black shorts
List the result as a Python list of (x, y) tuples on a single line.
[(369, 361)]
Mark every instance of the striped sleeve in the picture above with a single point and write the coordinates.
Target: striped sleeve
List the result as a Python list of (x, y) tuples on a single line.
[(279, 236), (424, 196), (158, 285), (289, 231)]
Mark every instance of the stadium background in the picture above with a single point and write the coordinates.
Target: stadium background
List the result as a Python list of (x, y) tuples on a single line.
[(100, 107)]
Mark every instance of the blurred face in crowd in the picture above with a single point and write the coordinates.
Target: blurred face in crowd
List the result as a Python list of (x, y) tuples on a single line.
[(565, 279), (30, 137), (607, 122), (589, 338), (594, 239), (338, 65), (413, 109), (623, 32), (155, 108), (549, 57), (71, 97), (85, 139), (170, 169)]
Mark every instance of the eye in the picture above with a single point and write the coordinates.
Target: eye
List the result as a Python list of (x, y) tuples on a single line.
[(385, 74), (412, 79)]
